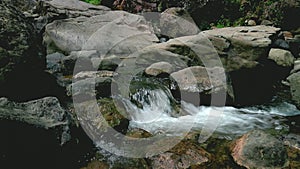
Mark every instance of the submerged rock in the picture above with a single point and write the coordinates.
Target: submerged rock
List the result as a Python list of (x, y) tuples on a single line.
[(258, 149), (46, 112)]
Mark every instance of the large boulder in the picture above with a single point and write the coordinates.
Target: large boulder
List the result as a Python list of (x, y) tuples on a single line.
[(258, 149), (242, 47), (115, 30), (114, 34)]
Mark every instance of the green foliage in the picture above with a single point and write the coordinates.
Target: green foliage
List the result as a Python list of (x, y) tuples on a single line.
[(94, 2)]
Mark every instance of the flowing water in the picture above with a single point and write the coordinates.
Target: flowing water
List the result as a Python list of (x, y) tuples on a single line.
[(155, 116)]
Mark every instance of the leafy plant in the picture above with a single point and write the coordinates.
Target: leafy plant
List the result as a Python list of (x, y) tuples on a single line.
[(94, 2)]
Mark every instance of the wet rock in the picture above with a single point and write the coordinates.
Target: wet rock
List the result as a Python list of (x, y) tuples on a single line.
[(159, 68), (282, 57), (45, 112), (176, 22), (247, 44), (197, 79), (184, 155), (258, 149), (294, 81)]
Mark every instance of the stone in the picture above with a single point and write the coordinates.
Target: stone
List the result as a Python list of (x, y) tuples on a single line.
[(198, 79), (184, 155), (258, 149), (176, 22), (282, 57), (294, 81), (45, 112), (68, 9), (18, 41), (251, 23), (117, 30), (159, 68), (296, 66), (267, 23), (248, 44)]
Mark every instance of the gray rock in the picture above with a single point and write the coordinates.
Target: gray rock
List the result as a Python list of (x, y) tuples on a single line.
[(68, 9), (115, 32), (294, 81), (158, 68), (91, 83), (197, 79), (45, 112), (176, 22), (296, 66), (267, 23), (258, 149), (282, 57), (247, 44)]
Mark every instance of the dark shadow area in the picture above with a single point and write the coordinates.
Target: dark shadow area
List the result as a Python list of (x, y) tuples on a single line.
[(26, 146)]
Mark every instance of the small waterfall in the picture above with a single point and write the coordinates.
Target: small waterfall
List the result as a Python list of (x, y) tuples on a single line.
[(152, 105), (150, 110)]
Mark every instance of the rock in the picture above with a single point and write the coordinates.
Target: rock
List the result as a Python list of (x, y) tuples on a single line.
[(91, 83), (294, 81), (247, 44), (282, 57), (23, 5), (45, 112), (176, 22), (159, 68), (251, 22), (267, 23), (53, 9), (196, 79), (184, 155), (287, 35), (296, 66), (18, 41), (258, 149), (282, 44), (117, 30)]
